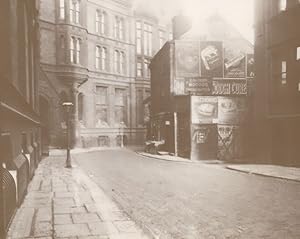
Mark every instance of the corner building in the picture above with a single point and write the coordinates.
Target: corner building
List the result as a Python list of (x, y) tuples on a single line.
[(277, 82), (89, 55)]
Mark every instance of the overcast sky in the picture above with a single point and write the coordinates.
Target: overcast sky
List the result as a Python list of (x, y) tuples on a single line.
[(237, 12)]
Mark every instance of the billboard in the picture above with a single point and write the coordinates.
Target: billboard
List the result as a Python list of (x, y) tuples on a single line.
[(198, 86), (234, 63), (211, 54), (187, 58), (231, 110), (204, 109), (229, 87)]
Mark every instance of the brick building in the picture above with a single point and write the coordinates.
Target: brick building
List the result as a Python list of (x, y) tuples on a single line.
[(200, 94), (19, 103), (277, 82), (96, 54)]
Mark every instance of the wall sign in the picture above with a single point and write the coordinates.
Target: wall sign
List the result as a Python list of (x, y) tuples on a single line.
[(234, 63), (231, 110), (204, 109), (211, 54), (198, 86), (187, 58), (229, 87)]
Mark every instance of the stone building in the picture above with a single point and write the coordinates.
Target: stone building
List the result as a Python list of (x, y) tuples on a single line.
[(277, 83), (19, 103), (95, 53)]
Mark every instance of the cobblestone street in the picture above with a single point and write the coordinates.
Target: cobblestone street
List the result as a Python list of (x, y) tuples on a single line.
[(196, 200), (65, 203)]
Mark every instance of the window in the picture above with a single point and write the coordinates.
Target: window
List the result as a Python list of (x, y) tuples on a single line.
[(101, 107), (119, 62), (62, 9), (101, 58), (100, 21), (146, 68), (139, 69), (119, 28), (62, 47), (283, 72), (161, 39), (74, 11), (147, 39), (298, 52), (75, 50), (120, 106), (138, 37), (282, 5)]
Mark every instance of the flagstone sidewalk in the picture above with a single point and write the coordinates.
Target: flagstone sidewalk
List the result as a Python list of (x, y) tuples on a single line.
[(66, 203)]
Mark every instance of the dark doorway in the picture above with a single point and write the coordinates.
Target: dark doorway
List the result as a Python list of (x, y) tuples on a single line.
[(44, 114)]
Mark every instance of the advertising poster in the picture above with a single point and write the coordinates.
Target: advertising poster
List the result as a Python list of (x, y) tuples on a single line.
[(234, 63), (204, 109), (204, 141), (187, 58), (250, 65), (229, 87), (198, 86), (211, 58), (179, 86), (231, 110)]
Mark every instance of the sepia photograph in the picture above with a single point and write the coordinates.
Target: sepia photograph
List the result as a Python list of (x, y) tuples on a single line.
[(149, 119)]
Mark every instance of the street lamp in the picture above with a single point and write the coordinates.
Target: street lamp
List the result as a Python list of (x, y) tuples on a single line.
[(121, 129), (68, 106)]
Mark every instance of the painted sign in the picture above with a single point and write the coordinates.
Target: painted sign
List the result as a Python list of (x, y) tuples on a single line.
[(229, 87), (231, 110), (204, 109), (234, 63), (187, 58), (179, 86), (198, 86), (250, 65), (211, 54)]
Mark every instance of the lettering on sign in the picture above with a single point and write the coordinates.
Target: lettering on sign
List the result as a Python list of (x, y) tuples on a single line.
[(198, 86), (229, 87)]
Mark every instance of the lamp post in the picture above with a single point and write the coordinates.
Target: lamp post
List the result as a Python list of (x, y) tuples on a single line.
[(122, 124), (68, 106)]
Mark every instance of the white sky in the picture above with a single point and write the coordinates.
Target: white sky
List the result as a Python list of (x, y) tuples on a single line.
[(239, 13)]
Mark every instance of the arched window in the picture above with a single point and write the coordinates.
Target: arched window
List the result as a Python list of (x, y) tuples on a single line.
[(74, 11), (100, 21), (119, 28), (75, 50), (122, 62), (104, 58), (62, 9), (72, 49), (116, 61), (97, 57)]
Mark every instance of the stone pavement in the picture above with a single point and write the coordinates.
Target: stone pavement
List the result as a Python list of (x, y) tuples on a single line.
[(66, 203), (276, 171)]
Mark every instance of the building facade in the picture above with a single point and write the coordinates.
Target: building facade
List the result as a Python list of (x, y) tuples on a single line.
[(277, 84), (200, 92), (95, 53), (19, 103)]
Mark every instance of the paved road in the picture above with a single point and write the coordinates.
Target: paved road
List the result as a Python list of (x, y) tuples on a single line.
[(184, 200)]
